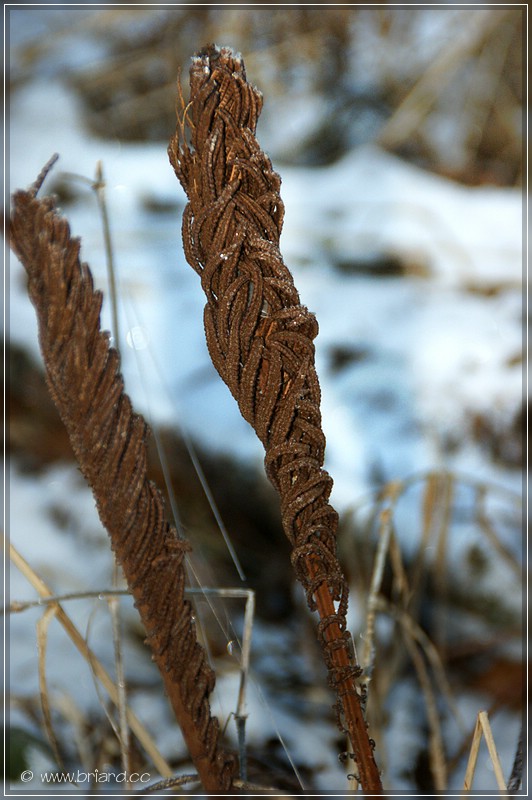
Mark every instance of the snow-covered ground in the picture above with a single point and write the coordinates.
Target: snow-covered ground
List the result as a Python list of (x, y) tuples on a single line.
[(425, 352), (406, 362)]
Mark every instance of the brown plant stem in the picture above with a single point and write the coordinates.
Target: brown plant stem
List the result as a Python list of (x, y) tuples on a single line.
[(109, 441), (260, 339), (354, 718)]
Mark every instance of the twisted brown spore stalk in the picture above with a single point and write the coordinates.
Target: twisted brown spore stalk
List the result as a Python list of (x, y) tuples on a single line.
[(109, 441), (260, 339)]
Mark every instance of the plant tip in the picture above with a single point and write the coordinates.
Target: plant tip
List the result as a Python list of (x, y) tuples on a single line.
[(36, 185)]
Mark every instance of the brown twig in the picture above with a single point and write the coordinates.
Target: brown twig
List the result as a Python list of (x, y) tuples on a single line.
[(260, 339), (109, 441)]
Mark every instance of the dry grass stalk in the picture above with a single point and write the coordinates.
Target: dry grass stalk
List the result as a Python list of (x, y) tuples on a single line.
[(436, 748), (260, 339), (47, 600), (483, 728), (419, 100), (487, 529), (42, 643), (418, 636), (385, 532), (123, 729), (402, 601), (98, 669), (109, 441), (119, 724)]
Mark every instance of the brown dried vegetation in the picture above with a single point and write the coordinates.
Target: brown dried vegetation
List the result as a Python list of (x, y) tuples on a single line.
[(109, 441), (260, 339)]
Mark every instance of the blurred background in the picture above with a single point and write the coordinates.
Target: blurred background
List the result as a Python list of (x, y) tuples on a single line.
[(443, 87), (398, 134)]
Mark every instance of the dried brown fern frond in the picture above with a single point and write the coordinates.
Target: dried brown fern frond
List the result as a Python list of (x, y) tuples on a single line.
[(109, 441), (260, 339)]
